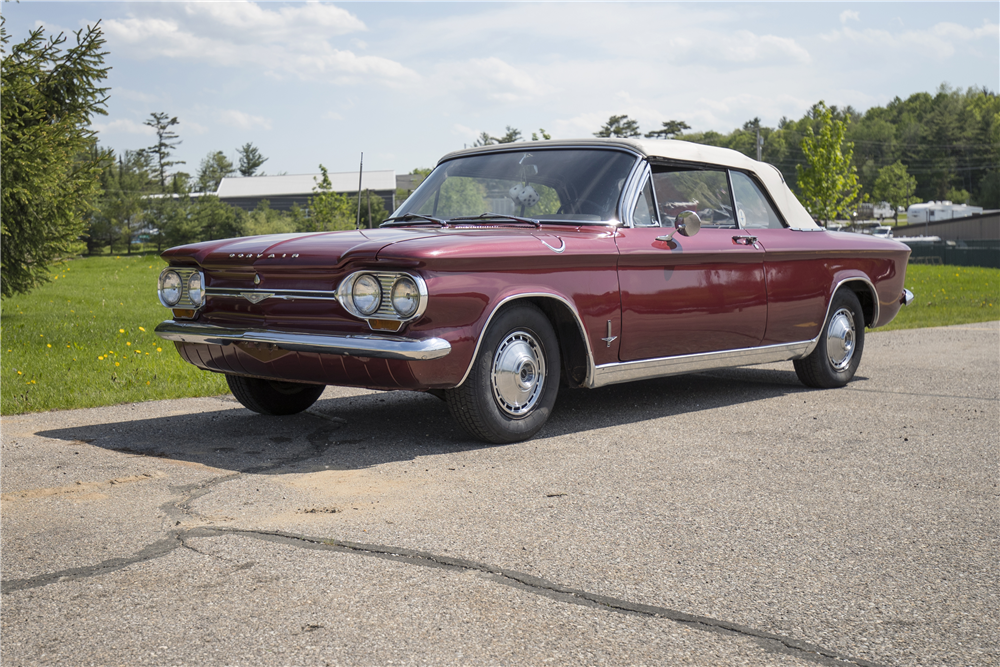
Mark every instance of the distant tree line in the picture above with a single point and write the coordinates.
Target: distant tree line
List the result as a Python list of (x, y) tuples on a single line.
[(947, 142)]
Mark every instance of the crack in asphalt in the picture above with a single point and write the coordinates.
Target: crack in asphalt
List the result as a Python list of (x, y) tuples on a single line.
[(180, 509)]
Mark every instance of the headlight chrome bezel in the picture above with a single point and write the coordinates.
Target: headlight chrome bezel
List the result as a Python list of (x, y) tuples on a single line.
[(187, 278), (386, 310)]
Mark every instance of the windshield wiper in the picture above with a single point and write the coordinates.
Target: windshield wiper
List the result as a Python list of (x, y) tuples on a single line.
[(409, 218), (496, 216)]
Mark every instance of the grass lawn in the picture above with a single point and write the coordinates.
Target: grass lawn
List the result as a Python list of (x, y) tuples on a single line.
[(86, 339), (945, 295)]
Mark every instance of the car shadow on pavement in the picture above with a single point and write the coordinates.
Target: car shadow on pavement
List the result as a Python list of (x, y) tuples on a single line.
[(371, 428)]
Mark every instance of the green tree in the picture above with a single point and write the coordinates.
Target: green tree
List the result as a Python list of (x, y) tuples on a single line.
[(670, 129), (121, 211), (250, 159), (541, 135), (213, 169), (51, 172), (214, 218), (484, 140), (166, 142), (329, 210), (619, 126), (372, 210), (895, 185), (512, 134), (828, 182), (266, 220)]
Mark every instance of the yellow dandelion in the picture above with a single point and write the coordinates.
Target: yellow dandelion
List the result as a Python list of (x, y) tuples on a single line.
[(117, 364), (48, 345), (41, 335), (160, 349), (147, 381), (128, 343), (141, 329), (121, 331), (20, 373)]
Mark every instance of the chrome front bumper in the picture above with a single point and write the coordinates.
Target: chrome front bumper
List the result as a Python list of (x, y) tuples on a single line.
[(377, 346), (907, 297)]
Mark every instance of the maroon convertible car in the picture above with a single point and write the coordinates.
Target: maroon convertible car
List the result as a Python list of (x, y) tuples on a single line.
[(519, 268)]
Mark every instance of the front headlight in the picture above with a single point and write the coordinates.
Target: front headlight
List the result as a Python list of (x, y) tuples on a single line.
[(170, 288), (196, 292), (405, 297), (367, 294)]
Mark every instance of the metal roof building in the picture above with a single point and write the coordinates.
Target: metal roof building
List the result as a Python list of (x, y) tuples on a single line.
[(281, 192)]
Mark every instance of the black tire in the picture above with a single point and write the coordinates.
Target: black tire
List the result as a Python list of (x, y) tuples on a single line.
[(269, 397), (514, 380), (841, 342)]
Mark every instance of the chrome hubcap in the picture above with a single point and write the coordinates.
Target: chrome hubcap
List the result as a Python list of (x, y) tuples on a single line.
[(518, 373), (840, 339)]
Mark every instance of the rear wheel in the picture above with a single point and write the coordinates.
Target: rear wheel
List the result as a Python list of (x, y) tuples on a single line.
[(514, 380), (270, 397), (838, 353)]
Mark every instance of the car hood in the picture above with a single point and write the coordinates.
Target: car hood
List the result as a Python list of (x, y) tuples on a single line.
[(312, 250)]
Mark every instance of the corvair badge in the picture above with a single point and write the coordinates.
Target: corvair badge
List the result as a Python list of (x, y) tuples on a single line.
[(250, 255), (256, 297)]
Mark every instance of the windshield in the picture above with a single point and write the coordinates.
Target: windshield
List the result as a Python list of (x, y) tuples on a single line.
[(555, 184)]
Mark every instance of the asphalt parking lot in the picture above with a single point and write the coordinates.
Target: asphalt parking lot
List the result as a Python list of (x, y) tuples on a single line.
[(726, 518)]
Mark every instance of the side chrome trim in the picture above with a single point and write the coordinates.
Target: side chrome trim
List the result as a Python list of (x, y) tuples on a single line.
[(647, 369), (377, 346), (544, 295)]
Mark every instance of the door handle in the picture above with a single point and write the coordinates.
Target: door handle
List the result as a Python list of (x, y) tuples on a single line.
[(745, 240)]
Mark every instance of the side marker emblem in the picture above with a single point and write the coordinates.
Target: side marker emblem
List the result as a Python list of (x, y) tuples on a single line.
[(610, 338)]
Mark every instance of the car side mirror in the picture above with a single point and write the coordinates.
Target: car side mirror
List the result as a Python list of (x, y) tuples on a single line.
[(687, 223)]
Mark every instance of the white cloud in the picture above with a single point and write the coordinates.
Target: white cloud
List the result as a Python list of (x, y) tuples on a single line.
[(942, 40), (243, 120), (134, 95), (747, 48), (254, 21), (497, 80), (849, 15), (286, 41), (123, 126)]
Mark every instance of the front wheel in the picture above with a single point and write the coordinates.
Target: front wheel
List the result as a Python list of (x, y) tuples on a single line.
[(838, 353), (269, 397), (514, 380)]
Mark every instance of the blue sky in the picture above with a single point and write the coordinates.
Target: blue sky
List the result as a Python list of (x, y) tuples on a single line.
[(312, 83)]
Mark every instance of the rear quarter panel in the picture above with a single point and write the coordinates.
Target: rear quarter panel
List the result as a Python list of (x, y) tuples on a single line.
[(803, 270)]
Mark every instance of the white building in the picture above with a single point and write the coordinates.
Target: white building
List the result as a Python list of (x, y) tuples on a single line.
[(283, 191), (933, 211)]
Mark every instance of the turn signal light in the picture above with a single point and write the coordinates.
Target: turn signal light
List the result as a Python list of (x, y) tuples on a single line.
[(385, 325)]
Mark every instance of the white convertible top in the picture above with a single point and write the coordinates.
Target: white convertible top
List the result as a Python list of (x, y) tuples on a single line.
[(684, 151)]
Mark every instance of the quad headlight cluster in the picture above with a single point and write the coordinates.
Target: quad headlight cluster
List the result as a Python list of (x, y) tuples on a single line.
[(181, 288), (378, 295)]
